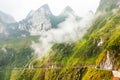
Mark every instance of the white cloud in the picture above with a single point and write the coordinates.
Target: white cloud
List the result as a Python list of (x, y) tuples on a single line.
[(68, 31)]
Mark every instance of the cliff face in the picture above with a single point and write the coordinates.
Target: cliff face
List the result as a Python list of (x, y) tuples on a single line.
[(108, 64)]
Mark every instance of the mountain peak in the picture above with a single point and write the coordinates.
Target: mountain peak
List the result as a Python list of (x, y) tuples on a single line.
[(68, 9), (30, 14), (45, 9), (45, 6)]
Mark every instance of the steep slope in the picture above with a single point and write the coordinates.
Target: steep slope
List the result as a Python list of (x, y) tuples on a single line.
[(99, 48), (108, 5), (43, 20), (37, 21), (16, 38)]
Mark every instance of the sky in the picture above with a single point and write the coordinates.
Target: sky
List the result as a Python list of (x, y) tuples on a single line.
[(20, 8)]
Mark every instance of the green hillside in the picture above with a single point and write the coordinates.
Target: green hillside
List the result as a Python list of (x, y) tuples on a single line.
[(77, 61), (15, 53), (86, 59)]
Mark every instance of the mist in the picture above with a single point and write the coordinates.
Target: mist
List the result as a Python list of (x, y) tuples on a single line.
[(68, 31)]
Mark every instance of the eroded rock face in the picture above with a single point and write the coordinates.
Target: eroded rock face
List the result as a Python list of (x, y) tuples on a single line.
[(107, 64)]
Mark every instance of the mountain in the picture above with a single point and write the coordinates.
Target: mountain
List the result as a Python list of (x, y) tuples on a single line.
[(16, 38), (43, 20), (95, 57), (67, 11), (36, 22)]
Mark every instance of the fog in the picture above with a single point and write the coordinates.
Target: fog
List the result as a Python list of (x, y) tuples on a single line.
[(68, 31)]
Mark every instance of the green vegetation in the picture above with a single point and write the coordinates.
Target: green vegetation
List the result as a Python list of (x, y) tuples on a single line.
[(96, 74), (52, 74), (67, 61), (15, 53), (70, 59)]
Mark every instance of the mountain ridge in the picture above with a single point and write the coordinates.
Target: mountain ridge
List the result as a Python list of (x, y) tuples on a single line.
[(37, 21)]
